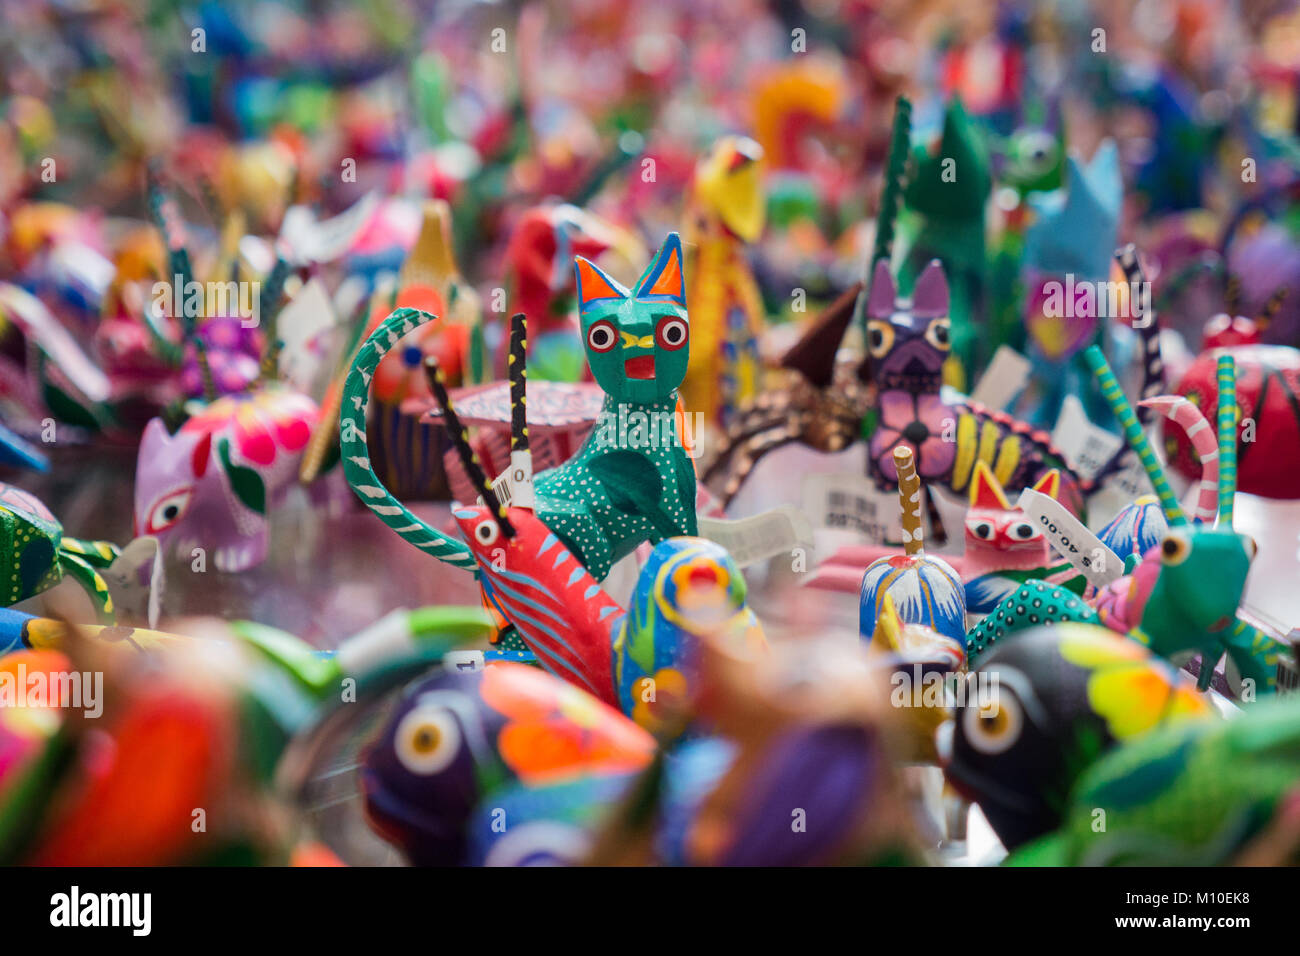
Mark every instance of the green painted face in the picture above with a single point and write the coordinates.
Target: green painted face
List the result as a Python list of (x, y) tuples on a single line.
[(637, 342), (1207, 569)]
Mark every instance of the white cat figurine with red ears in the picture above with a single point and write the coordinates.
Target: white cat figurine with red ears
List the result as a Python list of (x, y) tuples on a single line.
[(209, 486)]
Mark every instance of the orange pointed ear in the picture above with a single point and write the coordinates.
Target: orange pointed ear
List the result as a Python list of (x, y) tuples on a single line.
[(594, 285), (986, 490), (1050, 483), (664, 277)]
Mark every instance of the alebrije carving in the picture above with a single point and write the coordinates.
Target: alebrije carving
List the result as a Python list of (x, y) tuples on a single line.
[(461, 747), (1039, 709), (925, 589), (632, 480), (35, 554), (1067, 255), (726, 213), (942, 218), (1184, 595), (641, 660), (212, 483), (907, 345)]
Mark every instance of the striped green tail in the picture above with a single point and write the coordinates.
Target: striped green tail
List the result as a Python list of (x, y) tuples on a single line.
[(1256, 654), (1137, 439), (356, 453), (1226, 375)]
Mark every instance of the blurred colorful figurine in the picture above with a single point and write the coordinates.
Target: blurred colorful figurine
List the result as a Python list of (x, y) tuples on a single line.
[(726, 213), (1066, 260), (1192, 794), (942, 217), (1041, 708), (35, 554), (802, 771), (463, 752), (539, 257), (212, 483), (925, 589), (1268, 391)]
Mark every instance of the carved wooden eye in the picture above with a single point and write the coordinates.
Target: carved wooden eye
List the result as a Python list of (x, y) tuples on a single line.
[(487, 531), (602, 336), (938, 333), (1174, 550), (995, 727), (672, 333), (981, 529), (168, 510), (1038, 151), (880, 338), (1022, 531), (427, 740)]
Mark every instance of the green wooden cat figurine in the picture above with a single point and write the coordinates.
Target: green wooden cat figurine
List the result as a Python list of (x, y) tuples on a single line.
[(632, 480)]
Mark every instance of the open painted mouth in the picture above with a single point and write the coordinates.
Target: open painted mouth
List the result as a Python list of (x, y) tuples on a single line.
[(643, 366)]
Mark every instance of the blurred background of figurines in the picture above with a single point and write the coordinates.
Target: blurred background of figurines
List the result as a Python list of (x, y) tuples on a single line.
[(209, 211)]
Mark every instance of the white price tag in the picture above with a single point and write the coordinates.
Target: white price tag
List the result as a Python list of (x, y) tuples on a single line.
[(514, 486), (1004, 379), (464, 661), (1086, 446), (847, 502), (1083, 549), (762, 536)]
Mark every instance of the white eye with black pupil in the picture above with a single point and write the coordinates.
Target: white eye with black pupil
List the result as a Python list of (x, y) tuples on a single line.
[(671, 333), (167, 511), (601, 337), (486, 532), (995, 727), (427, 740)]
